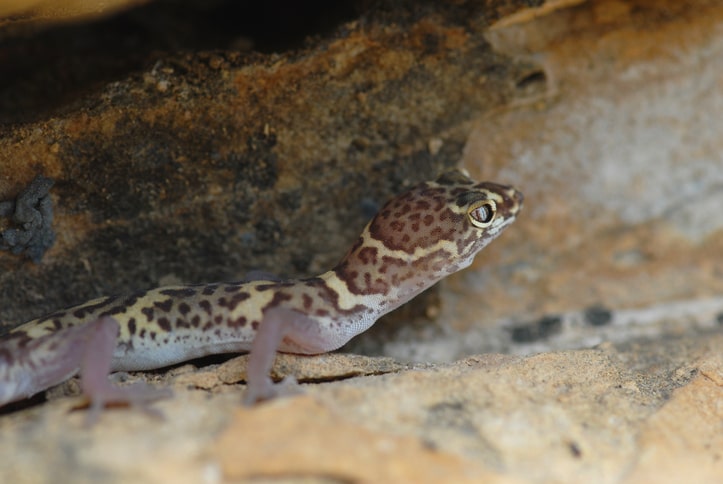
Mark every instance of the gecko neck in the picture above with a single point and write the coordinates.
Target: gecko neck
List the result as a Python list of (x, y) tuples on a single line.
[(383, 287)]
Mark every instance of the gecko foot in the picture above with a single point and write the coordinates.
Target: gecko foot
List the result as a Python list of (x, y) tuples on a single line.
[(138, 396), (268, 390), (277, 324), (94, 370)]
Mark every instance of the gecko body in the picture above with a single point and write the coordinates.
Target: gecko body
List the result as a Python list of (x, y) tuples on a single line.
[(421, 236)]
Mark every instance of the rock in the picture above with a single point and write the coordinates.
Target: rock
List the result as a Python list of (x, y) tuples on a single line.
[(645, 411)]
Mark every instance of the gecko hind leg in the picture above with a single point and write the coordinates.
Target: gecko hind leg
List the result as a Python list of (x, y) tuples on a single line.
[(277, 324), (95, 366)]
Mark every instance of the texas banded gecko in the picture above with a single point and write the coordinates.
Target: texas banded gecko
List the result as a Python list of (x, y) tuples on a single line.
[(434, 229)]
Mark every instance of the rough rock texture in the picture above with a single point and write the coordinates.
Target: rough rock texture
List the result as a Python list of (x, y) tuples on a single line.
[(606, 296), (202, 166), (646, 411)]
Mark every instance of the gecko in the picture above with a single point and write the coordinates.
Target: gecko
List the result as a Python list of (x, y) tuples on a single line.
[(417, 238)]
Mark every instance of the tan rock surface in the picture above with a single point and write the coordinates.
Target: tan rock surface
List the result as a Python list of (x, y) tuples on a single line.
[(648, 411), (684, 440)]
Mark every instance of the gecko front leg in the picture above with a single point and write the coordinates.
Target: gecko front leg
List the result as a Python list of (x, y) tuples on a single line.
[(277, 325), (95, 366), (30, 365)]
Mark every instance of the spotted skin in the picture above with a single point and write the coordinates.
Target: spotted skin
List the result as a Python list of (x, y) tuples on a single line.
[(421, 236)]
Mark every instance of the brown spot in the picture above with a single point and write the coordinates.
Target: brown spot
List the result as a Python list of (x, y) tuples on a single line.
[(367, 279), (207, 326), (255, 325), (330, 296), (306, 301), (368, 255), (184, 308), (148, 313), (321, 312), (428, 219), (165, 306), (195, 321), (237, 323), (180, 293), (217, 319), (206, 306), (209, 289), (236, 299), (120, 309), (422, 205), (132, 326), (22, 337), (278, 298), (130, 301), (164, 324), (142, 334), (57, 324), (182, 323)]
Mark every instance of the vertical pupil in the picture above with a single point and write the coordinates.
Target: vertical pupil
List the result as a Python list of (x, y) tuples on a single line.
[(482, 213)]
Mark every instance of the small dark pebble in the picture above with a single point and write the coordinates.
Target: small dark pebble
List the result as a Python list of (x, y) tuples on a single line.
[(524, 334), (575, 449), (549, 325), (541, 329), (598, 315)]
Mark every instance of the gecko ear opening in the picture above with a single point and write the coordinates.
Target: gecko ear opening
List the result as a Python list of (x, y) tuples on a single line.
[(482, 213)]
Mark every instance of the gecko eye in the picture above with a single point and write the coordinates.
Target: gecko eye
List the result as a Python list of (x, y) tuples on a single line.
[(482, 213)]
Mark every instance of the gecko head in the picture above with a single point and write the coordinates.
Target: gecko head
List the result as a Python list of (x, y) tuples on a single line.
[(442, 224), (426, 233)]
